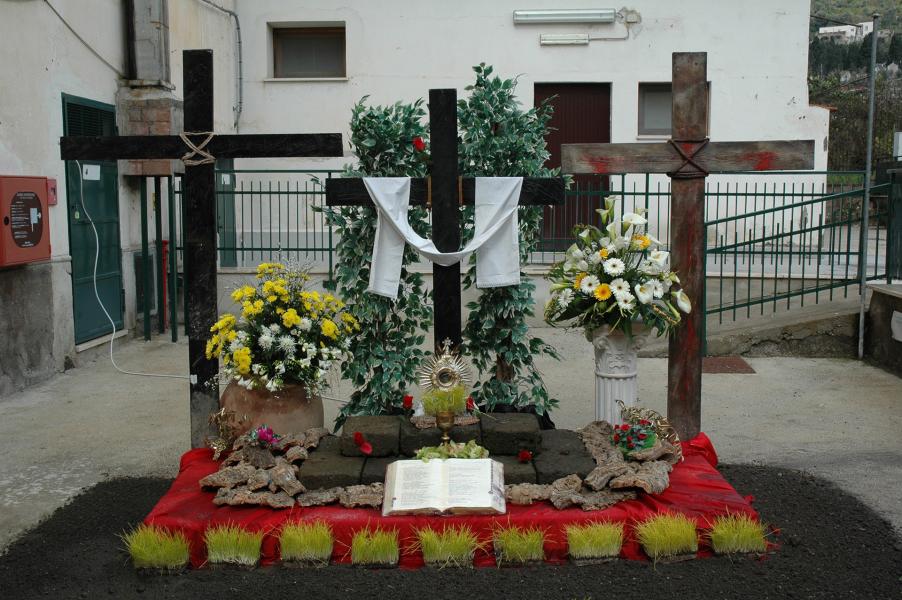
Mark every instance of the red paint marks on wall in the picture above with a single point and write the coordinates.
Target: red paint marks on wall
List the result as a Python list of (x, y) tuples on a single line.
[(600, 164), (762, 161)]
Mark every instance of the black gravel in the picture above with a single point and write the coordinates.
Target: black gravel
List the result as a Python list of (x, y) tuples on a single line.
[(832, 546)]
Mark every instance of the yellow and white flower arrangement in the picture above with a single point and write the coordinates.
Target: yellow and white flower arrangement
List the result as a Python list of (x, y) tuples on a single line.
[(285, 334), (615, 275)]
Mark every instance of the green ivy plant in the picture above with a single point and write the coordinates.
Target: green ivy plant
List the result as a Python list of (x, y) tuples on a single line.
[(387, 349), (499, 138)]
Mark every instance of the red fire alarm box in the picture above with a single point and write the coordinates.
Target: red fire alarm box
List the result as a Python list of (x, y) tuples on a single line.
[(24, 222)]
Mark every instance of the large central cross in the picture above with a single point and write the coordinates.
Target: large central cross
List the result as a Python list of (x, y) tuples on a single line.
[(448, 192), (687, 158), (200, 206)]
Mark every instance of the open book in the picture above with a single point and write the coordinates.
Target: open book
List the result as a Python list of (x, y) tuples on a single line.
[(453, 486)]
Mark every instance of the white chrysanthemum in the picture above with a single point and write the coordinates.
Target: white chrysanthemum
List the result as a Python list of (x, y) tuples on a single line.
[(620, 286), (564, 298), (614, 267), (588, 284), (275, 328), (265, 340), (286, 344), (644, 292), (305, 324), (657, 288), (243, 336)]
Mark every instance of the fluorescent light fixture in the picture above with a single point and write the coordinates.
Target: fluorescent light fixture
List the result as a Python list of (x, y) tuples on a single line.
[(566, 15), (564, 39)]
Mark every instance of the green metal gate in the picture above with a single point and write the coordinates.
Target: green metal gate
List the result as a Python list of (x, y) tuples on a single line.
[(96, 193)]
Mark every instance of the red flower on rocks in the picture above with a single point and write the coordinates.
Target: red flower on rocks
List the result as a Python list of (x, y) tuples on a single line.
[(408, 402), (364, 446), (419, 144), (524, 456), (471, 404)]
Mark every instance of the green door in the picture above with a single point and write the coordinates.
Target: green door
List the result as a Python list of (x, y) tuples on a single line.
[(225, 212), (95, 193)]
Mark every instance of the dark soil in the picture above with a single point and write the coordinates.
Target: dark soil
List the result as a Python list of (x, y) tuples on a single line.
[(831, 546)]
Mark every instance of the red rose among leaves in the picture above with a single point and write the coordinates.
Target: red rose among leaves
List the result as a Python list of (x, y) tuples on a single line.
[(471, 404), (408, 402), (419, 144), (524, 456), (364, 446)]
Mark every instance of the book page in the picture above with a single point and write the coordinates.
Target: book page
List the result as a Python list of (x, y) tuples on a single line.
[(469, 482), (418, 485)]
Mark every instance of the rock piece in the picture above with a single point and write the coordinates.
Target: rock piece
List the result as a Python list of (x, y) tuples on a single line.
[(651, 477), (228, 477), (515, 471), (319, 497), (562, 453), (601, 475), (571, 483), (527, 493), (296, 453), (374, 470), (565, 499), (661, 450), (283, 476), (292, 440), (313, 437), (261, 458), (259, 480), (596, 437), (241, 496), (326, 467), (382, 432), (414, 438), (362, 495), (508, 433), (604, 498)]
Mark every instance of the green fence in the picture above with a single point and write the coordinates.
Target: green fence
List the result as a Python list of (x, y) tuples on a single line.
[(774, 240)]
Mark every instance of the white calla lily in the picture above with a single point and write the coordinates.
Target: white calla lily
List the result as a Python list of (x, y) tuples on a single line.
[(682, 301), (633, 219), (644, 292)]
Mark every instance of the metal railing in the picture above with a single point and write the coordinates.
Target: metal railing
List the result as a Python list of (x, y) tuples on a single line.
[(773, 239)]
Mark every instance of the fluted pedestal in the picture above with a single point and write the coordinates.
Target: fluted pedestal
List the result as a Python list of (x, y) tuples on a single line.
[(616, 369)]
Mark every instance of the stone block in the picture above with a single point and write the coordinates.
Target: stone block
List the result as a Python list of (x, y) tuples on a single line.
[(374, 470), (562, 454), (382, 432), (515, 471), (508, 433), (413, 438), (326, 467)]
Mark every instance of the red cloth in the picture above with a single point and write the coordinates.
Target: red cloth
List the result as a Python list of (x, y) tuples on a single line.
[(696, 489)]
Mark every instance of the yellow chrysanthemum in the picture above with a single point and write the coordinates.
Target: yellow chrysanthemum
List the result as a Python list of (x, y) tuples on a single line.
[(329, 329), (290, 318), (603, 253), (642, 241), (603, 292), (242, 358)]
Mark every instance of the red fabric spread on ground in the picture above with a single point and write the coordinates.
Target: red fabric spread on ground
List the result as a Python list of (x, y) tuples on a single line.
[(696, 489)]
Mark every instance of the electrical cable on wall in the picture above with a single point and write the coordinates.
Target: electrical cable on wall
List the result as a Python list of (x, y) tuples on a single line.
[(81, 201)]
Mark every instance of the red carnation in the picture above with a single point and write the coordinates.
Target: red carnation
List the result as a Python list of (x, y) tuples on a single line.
[(624, 427), (471, 404), (419, 144), (616, 438), (629, 438), (408, 402), (524, 456), (358, 438)]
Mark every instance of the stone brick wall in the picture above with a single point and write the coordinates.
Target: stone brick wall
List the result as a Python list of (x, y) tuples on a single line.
[(149, 111)]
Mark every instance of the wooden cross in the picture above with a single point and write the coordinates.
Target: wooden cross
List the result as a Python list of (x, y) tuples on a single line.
[(448, 192), (687, 158), (200, 207)]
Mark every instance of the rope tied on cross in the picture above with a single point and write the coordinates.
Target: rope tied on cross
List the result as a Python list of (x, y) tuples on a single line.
[(197, 149), (688, 159)]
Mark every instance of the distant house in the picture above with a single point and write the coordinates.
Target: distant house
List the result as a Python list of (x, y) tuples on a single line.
[(846, 34)]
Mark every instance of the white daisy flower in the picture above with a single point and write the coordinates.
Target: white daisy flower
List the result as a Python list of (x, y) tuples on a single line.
[(626, 303), (564, 298), (644, 292), (620, 286), (588, 284), (614, 267)]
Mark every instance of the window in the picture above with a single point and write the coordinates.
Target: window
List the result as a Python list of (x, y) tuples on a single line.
[(655, 100), (309, 52)]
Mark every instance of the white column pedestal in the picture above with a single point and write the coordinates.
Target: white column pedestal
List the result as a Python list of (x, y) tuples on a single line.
[(616, 363)]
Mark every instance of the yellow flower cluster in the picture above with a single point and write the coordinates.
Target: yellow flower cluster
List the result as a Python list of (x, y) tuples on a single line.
[(290, 318), (351, 323), (641, 241), (244, 293), (251, 309), (242, 358), (275, 289), (330, 329), (269, 269), (223, 331)]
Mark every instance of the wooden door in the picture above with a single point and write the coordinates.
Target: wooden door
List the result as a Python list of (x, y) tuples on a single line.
[(582, 114)]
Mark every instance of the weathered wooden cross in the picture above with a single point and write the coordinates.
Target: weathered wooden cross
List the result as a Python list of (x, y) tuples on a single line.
[(448, 191), (687, 158), (200, 206)]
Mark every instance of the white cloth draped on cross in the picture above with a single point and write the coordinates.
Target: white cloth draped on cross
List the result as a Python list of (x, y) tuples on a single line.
[(495, 238)]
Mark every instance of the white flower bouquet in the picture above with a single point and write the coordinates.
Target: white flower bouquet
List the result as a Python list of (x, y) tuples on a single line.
[(616, 275), (285, 334)]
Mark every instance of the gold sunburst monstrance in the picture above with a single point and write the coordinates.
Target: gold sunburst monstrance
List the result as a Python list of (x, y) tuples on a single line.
[(443, 371)]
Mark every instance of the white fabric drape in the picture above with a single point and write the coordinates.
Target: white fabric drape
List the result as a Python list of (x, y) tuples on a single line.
[(495, 238)]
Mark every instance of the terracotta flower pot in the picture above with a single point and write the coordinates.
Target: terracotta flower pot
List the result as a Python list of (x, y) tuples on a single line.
[(288, 410)]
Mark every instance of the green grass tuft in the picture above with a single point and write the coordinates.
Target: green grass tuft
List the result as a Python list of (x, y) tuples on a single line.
[(375, 547), (519, 545), (453, 400), (230, 544), (737, 534), (306, 542), (595, 540), (667, 535), (156, 548), (452, 547)]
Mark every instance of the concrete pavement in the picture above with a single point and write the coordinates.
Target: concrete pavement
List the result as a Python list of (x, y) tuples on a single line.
[(836, 418)]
